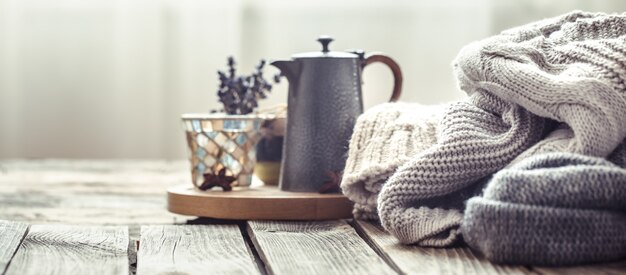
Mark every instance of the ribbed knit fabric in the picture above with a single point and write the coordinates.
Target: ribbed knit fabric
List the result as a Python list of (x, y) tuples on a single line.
[(551, 209), (478, 137), (385, 137), (570, 69)]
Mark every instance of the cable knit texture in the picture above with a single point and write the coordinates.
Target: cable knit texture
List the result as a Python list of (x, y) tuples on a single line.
[(556, 85), (384, 137), (569, 68), (552, 209)]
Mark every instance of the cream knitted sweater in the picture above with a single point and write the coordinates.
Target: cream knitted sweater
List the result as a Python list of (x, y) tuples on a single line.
[(569, 69), (384, 138)]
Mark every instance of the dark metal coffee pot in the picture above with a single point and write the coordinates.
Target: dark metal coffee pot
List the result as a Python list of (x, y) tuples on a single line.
[(323, 103)]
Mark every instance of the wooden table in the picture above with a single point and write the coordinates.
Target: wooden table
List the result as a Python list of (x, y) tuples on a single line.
[(109, 217)]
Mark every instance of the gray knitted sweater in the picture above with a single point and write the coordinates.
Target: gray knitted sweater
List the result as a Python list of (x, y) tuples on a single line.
[(568, 70), (552, 209)]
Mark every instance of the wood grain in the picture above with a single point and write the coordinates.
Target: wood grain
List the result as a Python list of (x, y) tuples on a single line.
[(89, 192), (325, 247), (93, 216), (420, 260), (11, 235), (194, 249), (258, 203), (67, 249)]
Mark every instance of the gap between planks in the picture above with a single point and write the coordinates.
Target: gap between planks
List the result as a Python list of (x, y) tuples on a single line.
[(243, 228), (11, 236)]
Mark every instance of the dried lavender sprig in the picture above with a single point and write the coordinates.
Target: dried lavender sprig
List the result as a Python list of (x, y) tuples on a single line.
[(240, 94)]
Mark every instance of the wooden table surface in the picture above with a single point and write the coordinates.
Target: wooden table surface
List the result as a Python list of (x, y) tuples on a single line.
[(109, 217)]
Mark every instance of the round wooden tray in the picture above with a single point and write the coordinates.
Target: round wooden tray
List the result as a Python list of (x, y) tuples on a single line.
[(257, 203)]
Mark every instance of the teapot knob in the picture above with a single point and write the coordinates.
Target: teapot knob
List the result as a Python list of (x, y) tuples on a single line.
[(325, 40)]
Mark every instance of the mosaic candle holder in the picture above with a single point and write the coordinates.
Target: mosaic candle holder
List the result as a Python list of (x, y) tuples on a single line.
[(221, 140)]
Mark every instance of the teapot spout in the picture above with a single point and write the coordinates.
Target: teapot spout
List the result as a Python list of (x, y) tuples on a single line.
[(288, 68)]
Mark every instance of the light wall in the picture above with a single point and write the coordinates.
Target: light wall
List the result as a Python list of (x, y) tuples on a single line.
[(109, 79)]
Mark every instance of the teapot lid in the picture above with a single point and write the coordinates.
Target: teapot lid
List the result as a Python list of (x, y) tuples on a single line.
[(325, 53)]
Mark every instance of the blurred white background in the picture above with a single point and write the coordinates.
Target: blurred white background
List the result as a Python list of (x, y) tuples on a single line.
[(110, 78)]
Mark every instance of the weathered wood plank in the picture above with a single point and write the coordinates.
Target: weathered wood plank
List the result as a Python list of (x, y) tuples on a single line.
[(612, 268), (194, 249), (328, 247), (89, 192), (66, 249), (11, 235), (421, 260), (95, 216)]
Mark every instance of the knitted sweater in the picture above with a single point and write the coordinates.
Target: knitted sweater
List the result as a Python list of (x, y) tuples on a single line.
[(552, 209), (478, 137), (385, 137), (569, 69)]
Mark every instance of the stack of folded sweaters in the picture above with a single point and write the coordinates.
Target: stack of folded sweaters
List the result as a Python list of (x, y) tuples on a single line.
[(529, 169)]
